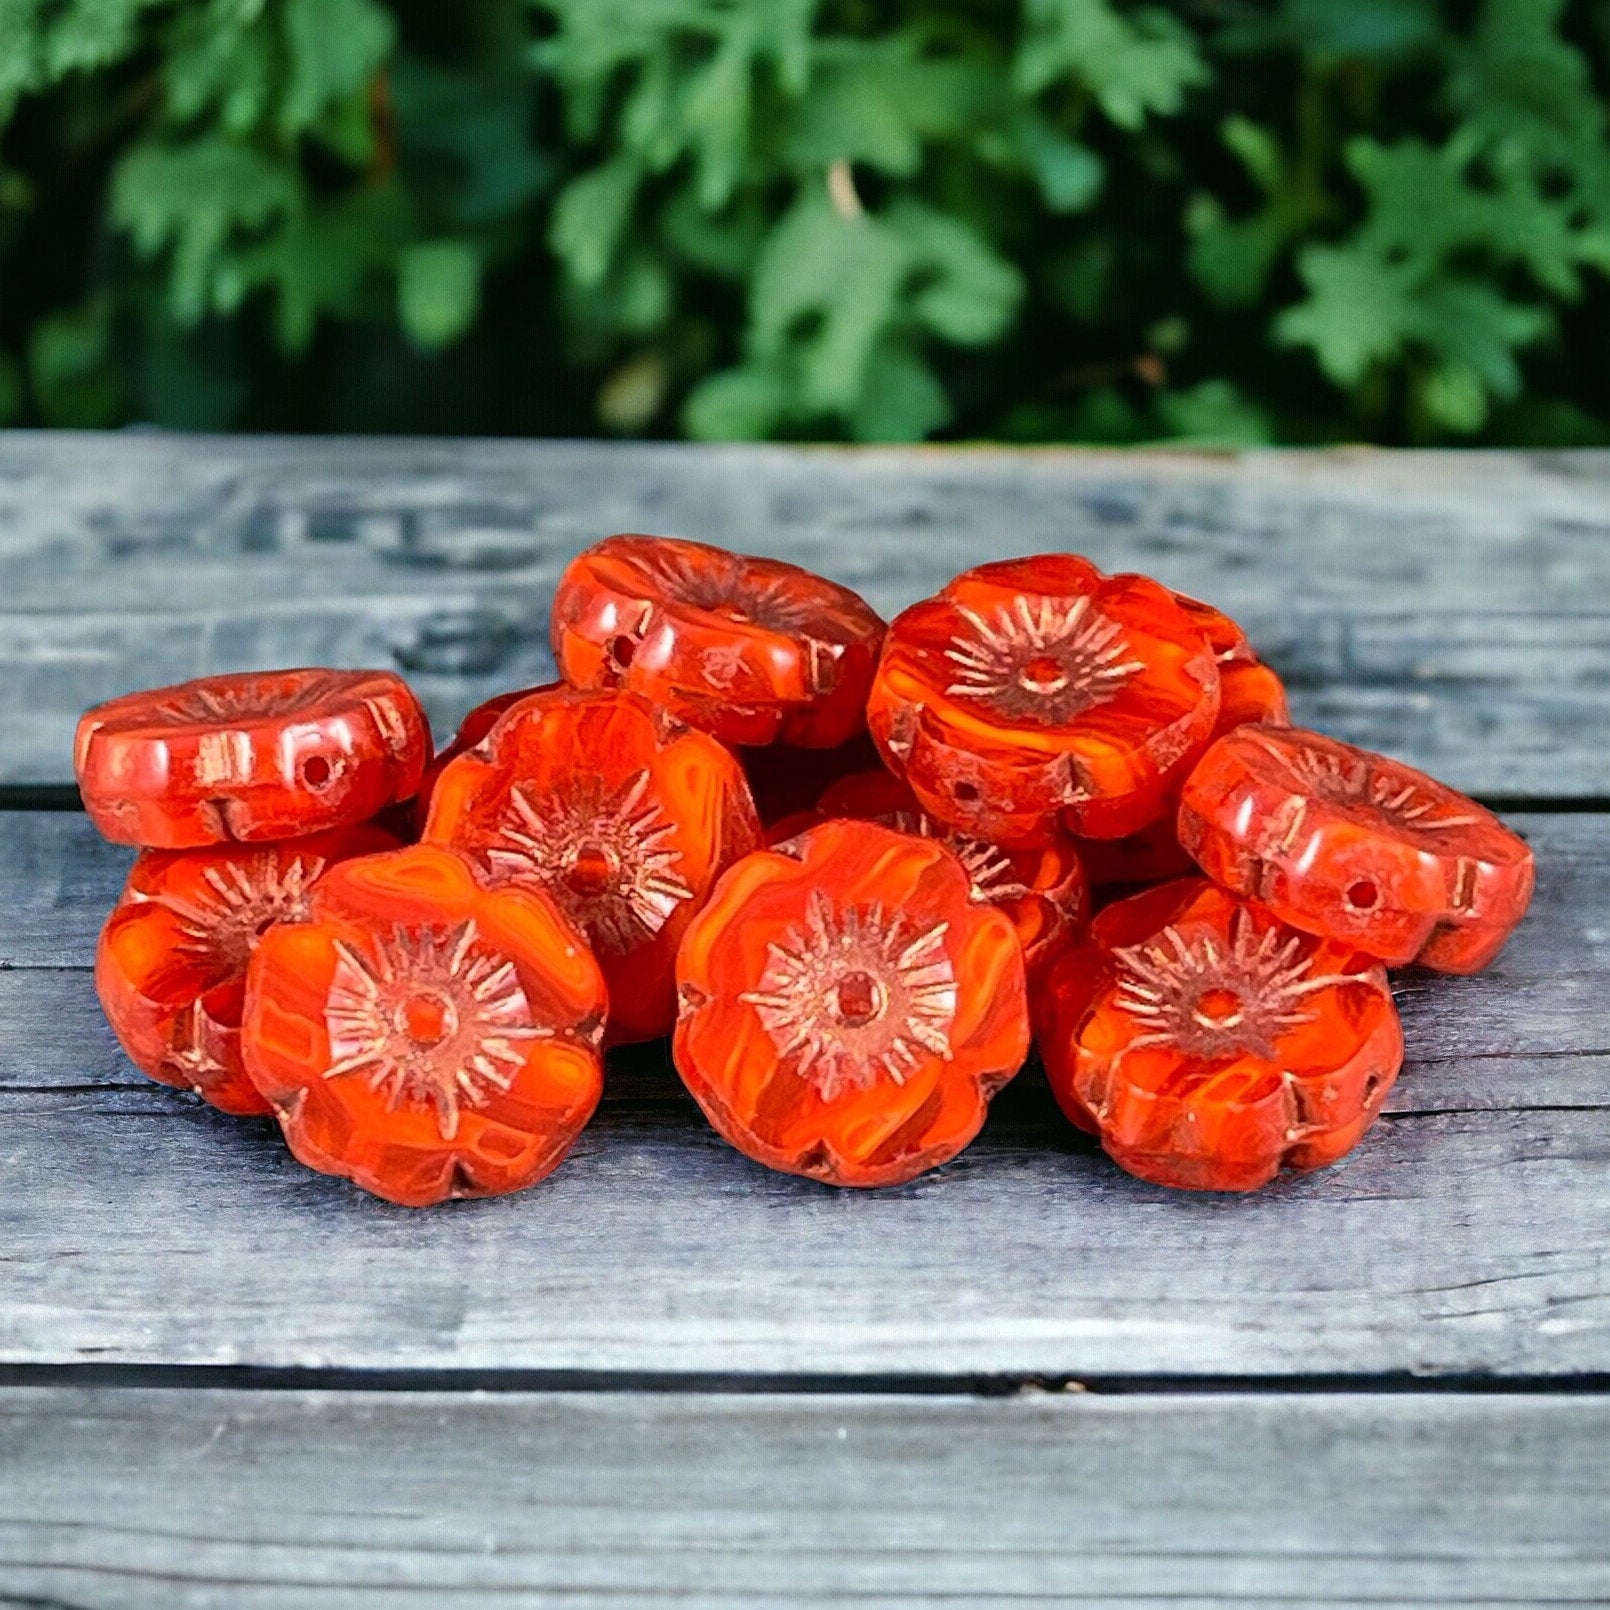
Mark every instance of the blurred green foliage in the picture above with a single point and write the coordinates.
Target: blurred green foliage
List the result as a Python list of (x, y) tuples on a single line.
[(1064, 220)]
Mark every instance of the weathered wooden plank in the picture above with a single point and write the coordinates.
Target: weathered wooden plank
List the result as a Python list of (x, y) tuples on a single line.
[(143, 1230), (126, 1499), (1469, 1233), (1450, 608)]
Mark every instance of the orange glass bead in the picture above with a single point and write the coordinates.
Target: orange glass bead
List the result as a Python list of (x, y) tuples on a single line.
[(170, 968), (1341, 842), (1210, 1045), (422, 1035), (1224, 636), (624, 816), (1043, 892), (254, 757), (471, 730), (848, 1008), (752, 650), (1035, 687), (1250, 692)]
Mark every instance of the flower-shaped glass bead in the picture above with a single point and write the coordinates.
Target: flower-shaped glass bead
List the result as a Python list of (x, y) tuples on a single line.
[(253, 757), (623, 815), (170, 968), (1342, 842), (848, 1008), (1210, 1045), (752, 650), (1037, 688), (423, 1035)]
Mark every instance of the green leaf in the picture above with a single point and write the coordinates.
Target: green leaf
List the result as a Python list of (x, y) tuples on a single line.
[(724, 243), (1358, 313), (335, 48), (591, 216), (828, 286), (438, 292), (901, 399), (193, 198), (737, 405), (1136, 64), (966, 292), (22, 66), (1424, 209), (1069, 174), (1452, 394), (714, 113), (1517, 78), (1231, 259), (1213, 413), (223, 55), (1471, 323), (879, 102), (1362, 312), (85, 34), (332, 257), (45, 41)]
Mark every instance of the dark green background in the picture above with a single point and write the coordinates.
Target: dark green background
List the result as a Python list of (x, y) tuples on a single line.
[(1057, 220)]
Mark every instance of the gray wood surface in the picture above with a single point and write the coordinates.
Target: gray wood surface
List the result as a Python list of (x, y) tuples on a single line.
[(129, 1499), (1469, 1233), (1453, 609)]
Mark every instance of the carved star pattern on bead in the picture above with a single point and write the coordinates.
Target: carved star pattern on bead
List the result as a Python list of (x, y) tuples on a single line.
[(433, 1019), (1342, 780), (1045, 662), (248, 701), (604, 856), (246, 895), (726, 589), (1210, 1000), (988, 869), (857, 993)]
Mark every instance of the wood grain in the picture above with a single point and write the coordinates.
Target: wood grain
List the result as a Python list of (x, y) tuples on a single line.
[(1467, 1234), (128, 1499), (1448, 608)]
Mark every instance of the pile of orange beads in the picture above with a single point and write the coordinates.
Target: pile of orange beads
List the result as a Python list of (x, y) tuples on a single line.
[(848, 867)]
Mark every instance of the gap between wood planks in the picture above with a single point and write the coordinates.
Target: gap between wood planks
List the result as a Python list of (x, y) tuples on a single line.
[(232, 1377)]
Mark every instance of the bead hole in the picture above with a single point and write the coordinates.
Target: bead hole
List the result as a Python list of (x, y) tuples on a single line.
[(1362, 895), (1043, 674), (317, 772), (621, 649), (858, 999), (1218, 1007), (426, 1018), (965, 793), (592, 869)]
